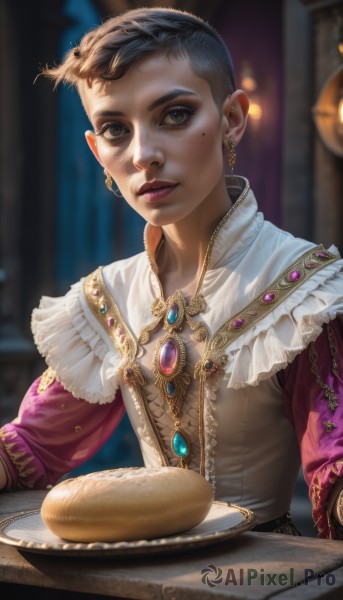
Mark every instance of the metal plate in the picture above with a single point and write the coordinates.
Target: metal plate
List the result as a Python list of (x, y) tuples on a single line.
[(27, 532)]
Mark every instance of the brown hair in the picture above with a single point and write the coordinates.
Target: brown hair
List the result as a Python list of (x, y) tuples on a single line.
[(107, 51)]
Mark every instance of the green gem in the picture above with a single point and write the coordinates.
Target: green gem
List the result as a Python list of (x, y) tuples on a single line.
[(103, 309), (180, 445)]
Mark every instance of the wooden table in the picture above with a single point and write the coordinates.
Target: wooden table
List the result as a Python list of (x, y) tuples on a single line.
[(281, 560)]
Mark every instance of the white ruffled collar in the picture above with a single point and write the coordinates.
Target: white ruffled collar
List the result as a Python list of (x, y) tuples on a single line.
[(78, 348)]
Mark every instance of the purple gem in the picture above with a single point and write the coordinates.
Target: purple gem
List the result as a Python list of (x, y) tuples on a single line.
[(95, 292), (321, 255), (237, 323), (268, 297), (168, 357), (294, 276), (110, 322)]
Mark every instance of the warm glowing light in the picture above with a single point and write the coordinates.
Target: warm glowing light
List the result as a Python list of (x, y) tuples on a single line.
[(340, 117), (249, 83), (255, 111), (340, 111)]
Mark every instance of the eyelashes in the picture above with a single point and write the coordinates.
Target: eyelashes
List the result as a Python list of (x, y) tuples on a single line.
[(178, 115), (172, 118)]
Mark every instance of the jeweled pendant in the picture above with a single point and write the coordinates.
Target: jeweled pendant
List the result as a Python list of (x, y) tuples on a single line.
[(180, 445), (168, 357), (173, 314)]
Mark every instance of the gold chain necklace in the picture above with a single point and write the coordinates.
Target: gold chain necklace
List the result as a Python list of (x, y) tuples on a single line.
[(169, 357)]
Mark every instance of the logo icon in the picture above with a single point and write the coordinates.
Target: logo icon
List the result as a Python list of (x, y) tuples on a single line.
[(212, 575)]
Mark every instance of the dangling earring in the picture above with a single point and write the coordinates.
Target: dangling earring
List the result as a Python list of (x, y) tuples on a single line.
[(232, 154), (109, 183)]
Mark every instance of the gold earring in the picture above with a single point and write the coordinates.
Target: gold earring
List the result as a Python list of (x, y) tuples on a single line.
[(232, 154), (108, 180), (109, 184)]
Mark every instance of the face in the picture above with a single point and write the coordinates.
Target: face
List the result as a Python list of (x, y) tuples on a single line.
[(159, 133)]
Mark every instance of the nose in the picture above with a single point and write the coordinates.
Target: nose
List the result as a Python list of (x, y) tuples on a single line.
[(147, 151)]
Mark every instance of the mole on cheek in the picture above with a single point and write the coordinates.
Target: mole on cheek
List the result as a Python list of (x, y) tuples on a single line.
[(204, 133)]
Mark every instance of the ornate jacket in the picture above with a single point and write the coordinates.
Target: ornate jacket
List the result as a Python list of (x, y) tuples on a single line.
[(242, 382)]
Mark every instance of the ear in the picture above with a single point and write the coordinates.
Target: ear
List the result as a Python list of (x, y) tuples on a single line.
[(91, 141), (235, 109)]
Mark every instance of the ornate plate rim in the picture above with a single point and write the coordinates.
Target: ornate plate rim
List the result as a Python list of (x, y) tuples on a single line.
[(174, 543)]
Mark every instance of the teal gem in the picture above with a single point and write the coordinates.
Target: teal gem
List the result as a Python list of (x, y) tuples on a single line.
[(170, 389), (180, 445), (103, 309), (173, 314)]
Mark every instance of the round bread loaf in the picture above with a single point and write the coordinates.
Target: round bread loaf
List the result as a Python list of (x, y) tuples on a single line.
[(127, 504)]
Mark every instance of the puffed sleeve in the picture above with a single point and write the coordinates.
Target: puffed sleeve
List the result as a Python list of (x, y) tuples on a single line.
[(313, 394), (54, 433)]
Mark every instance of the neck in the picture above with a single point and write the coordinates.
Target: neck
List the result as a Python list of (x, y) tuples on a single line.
[(182, 254)]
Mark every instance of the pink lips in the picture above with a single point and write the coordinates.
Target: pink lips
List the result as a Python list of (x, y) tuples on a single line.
[(156, 189)]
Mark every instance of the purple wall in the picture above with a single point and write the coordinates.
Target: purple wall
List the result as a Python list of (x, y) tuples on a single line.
[(253, 32)]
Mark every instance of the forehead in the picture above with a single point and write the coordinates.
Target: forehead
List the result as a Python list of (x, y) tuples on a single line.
[(145, 81)]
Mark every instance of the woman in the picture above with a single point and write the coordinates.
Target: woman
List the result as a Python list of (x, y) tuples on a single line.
[(220, 340)]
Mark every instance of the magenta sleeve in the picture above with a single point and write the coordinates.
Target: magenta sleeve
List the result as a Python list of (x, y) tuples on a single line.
[(313, 394), (53, 434)]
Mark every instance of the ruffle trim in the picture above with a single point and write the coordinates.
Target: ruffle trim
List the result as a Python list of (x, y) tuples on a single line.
[(274, 341), (75, 348), (74, 345)]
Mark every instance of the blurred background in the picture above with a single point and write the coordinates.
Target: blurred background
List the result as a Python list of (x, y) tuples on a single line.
[(58, 221)]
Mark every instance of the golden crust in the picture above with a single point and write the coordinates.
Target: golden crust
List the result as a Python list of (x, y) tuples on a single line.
[(127, 504)]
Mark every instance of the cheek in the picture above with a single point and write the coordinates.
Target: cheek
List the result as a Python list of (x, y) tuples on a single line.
[(205, 149), (116, 162)]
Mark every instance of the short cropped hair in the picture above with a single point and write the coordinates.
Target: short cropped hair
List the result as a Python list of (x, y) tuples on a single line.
[(107, 51)]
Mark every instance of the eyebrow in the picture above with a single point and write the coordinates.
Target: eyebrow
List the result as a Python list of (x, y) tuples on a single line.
[(170, 96), (155, 104)]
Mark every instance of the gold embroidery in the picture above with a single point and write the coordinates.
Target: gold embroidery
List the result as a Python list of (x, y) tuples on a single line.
[(107, 313), (19, 458), (339, 504), (294, 276), (46, 380), (329, 425), (320, 489), (329, 393), (162, 308), (333, 350)]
